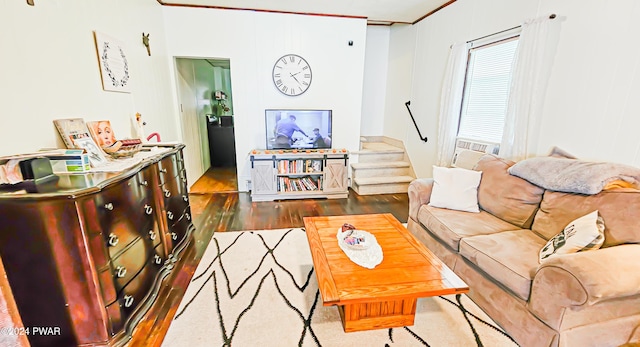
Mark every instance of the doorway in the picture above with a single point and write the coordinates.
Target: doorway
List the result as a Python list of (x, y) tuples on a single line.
[(206, 107)]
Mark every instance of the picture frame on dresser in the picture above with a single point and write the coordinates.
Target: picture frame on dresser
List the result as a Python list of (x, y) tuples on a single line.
[(75, 134)]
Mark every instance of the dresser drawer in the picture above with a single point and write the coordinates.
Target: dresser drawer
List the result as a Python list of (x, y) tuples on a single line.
[(179, 229), (180, 160), (121, 234), (134, 292), (127, 265), (168, 169)]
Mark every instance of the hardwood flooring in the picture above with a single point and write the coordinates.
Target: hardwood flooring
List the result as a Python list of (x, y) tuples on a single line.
[(220, 212), (215, 180), (236, 211)]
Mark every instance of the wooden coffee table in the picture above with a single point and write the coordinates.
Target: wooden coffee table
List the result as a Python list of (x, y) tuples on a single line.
[(383, 297)]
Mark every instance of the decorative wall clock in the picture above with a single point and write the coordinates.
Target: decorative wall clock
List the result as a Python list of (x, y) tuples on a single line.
[(114, 66), (291, 75)]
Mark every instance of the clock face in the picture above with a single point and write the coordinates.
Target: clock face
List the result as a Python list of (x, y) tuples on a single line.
[(291, 75)]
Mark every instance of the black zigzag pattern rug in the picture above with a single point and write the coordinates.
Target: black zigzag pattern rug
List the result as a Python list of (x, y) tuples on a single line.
[(258, 288)]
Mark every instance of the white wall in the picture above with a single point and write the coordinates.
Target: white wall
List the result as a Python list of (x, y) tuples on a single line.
[(590, 108), (401, 55), (253, 41), (375, 80), (49, 69)]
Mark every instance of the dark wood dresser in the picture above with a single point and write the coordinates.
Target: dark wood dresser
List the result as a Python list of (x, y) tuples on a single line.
[(85, 256)]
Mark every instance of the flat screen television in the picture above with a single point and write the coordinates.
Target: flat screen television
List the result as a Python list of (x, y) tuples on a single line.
[(298, 129)]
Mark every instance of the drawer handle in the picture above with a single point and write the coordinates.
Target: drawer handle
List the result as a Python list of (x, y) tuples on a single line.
[(113, 239), (157, 259), (148, 209), (128, 301), (163, 170), (144, 183), (152, 235), (170, 215), (185, 198), (121, 271), (174, 236), (188, 216), (109, 206), (167, 193)]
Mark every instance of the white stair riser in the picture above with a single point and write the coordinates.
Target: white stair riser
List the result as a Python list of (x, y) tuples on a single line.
[(393, 188), (380, 157), (380, 172)]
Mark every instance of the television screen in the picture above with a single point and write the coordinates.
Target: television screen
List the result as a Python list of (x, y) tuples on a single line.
[(298, 129)]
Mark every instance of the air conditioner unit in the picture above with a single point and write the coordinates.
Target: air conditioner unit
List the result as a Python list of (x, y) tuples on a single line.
[(468, 152)]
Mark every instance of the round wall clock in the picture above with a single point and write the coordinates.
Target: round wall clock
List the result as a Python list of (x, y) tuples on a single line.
[(291, 75)]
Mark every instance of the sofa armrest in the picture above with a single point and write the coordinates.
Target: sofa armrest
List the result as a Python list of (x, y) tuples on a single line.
[(419, 194), (584, 279)]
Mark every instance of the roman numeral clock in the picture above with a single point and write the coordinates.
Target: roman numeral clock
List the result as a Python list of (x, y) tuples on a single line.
[(292, 75)]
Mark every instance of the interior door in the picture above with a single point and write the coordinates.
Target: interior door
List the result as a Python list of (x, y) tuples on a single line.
[(189, 121)]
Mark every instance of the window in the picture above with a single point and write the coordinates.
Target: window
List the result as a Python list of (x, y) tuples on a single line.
[(486, 90)]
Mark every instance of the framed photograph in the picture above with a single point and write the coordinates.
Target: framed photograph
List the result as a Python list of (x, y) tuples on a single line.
[(114, 65), (102, 133), (75, 134), (97, 158)]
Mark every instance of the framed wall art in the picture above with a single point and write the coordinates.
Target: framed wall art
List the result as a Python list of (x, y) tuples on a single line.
[(114, 64)]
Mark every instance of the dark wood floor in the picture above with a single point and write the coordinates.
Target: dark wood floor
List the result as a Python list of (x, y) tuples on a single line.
[(216, 180), (236, 211), (219, 212)]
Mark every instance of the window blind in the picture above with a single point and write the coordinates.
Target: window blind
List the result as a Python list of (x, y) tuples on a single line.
[(486, 92)]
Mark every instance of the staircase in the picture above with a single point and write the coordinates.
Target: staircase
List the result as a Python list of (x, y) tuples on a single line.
[(383, 167)]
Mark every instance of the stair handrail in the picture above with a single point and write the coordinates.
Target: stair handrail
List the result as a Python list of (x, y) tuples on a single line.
[(425, 139)]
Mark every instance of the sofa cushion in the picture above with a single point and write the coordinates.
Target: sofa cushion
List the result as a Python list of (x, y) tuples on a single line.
[(455, 188), (510, 258), (618, 207), (505, 196), (450, 226)]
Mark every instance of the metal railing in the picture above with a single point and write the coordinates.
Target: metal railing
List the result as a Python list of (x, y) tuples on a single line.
[(425, 139)]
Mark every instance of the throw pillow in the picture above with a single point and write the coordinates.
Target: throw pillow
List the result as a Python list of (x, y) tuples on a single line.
[(583, 234), (455, 189)]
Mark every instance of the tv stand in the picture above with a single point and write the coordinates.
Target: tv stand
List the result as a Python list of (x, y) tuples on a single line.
[(299, 174)]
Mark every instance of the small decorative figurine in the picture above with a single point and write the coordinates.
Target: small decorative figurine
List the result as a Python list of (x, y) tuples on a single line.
[(145, 42)]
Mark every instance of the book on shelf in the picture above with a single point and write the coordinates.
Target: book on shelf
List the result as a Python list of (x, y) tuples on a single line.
[(297, 184)]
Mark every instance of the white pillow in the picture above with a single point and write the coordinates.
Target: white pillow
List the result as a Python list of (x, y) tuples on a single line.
[(455, 189), (583, 234)]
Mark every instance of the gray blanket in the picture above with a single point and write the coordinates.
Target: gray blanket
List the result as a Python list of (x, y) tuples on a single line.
[(571, 175)]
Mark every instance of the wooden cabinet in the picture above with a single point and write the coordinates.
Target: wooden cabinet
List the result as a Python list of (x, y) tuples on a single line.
[(87, 255), (277, 175), (335, 175)]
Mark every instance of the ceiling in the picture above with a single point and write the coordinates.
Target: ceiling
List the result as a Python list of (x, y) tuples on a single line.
[(383, 12)]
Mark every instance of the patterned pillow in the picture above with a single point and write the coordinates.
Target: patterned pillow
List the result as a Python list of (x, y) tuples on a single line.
[(583, 234)]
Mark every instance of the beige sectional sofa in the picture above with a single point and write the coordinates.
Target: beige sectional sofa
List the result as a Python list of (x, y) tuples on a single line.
[(583, 299)]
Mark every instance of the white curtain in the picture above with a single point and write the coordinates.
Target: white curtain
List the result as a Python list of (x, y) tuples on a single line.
[(532, 67), (450, 102)]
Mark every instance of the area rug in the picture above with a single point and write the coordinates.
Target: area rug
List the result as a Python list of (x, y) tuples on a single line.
[(258, 288)]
